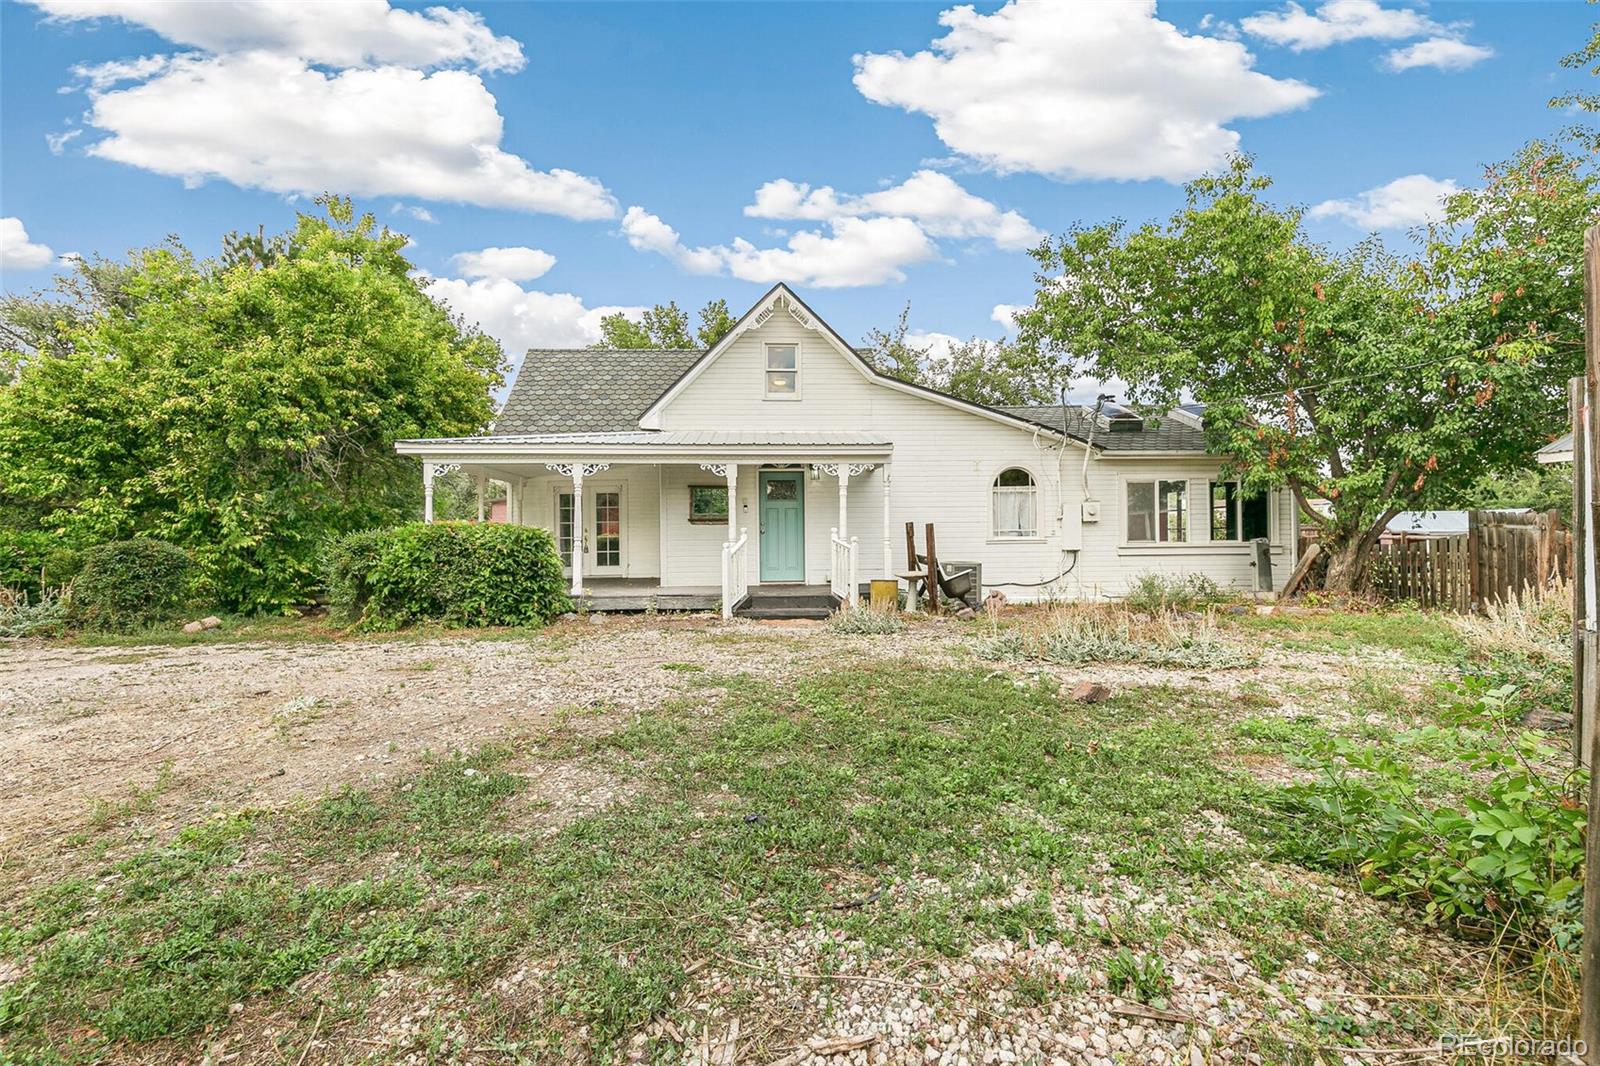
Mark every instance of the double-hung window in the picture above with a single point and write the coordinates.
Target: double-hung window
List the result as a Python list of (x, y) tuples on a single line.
[(1158, 512), (783, 371)]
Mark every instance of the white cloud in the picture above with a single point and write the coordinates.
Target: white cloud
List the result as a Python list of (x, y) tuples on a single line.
[(1338, 21), (522, 318), (350, 33), (936, 345), (1408, 201), (17, 252), (421, 214), (57, 142), (273, 122), (99, 76), (1443, 53), (1006, 314), (513, 264), (853, 252), (1103, 90), (935, 201), (1335, 22)]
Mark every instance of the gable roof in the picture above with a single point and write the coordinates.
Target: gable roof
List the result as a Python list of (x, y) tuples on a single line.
[(780, 296), (589, 390)]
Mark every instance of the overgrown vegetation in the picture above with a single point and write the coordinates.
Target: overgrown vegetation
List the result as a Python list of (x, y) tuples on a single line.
[(1073, 635), (459, 573), (127, 584), (44, 615), (1154, 593), (243, 407), (864, 619), (1504, 858)]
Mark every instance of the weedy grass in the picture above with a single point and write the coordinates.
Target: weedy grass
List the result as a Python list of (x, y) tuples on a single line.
[(1077, 634), (868, 621), (913, 810)]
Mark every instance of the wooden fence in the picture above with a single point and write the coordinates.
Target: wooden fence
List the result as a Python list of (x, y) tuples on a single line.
[(1501, 554)]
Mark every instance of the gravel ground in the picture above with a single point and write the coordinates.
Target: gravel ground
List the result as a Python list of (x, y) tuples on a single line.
[(157, 737)]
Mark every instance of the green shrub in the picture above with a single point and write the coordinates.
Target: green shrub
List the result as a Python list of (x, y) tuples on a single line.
[(869, 620), (130, 583), (1507, 857), (1155, 593), (457, 573), (346, 565)]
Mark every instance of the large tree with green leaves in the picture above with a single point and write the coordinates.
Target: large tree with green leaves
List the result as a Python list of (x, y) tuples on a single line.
[(1374, 382), (996, 372), (245, 408), (666, 326)]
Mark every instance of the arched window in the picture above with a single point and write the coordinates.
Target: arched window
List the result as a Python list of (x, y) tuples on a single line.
[(1015, 504)]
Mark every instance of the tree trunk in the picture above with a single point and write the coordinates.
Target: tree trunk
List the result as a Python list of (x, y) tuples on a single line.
[(1347, 567)]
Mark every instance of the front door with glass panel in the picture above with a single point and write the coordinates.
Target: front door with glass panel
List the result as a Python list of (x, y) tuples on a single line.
[(783, 526), (601, 541)]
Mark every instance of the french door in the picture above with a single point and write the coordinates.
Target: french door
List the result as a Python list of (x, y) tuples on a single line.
[(601, 539)]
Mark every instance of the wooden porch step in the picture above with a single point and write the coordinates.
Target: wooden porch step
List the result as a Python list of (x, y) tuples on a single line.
[(785, 613)]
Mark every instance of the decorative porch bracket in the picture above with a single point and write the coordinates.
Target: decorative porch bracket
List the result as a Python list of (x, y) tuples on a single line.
[(429, 472), (577, 471)]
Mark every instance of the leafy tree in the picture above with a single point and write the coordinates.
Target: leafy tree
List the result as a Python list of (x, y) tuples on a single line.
[(1587, 57), (715, 323), (243, 408), (983, 371), (1377, 383), (666, 326)]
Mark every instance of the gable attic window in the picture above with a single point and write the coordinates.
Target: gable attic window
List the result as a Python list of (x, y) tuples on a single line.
[(783, 371)]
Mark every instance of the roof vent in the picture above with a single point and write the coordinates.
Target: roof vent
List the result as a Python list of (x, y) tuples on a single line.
[(1125, 424)]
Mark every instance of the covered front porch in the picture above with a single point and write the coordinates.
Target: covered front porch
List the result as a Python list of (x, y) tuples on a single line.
[(687, 521)]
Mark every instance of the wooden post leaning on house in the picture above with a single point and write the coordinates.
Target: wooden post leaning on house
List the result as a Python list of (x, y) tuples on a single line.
[(1589, 963), (1474, 562), (933, 574)]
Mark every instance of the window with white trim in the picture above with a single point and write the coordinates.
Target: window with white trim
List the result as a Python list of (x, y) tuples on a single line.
[(783, 371), (1158, 512), (1236, 516), (1015, 510)]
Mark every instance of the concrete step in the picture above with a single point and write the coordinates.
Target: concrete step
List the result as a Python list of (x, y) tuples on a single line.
[(792, 599)]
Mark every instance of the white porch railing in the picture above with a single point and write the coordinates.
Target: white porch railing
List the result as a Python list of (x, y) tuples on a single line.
[(843, 577), (735, 572)]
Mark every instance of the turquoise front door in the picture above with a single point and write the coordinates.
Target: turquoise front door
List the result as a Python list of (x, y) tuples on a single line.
[(783, 526)]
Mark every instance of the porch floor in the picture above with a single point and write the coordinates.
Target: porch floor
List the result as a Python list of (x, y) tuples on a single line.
[(647, 593)]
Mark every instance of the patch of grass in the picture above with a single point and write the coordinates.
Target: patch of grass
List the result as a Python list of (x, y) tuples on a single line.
[(865, 621), (1142, 977), (784, 804), (104, 813), (1420, 635)]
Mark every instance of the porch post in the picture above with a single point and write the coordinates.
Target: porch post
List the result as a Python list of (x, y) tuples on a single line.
[(733, 503), (427, 492), (577, 472), (844, 500), (481, 488), (577, 529), (888, 561)]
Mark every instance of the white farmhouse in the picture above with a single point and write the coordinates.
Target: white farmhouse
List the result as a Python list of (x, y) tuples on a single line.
[(778, 461)]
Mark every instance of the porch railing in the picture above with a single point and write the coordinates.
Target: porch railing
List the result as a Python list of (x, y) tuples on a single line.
[(735, 572), (843, 574)]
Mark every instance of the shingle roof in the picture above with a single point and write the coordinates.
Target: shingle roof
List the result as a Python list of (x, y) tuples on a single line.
[(1171, 433), (589, 390)]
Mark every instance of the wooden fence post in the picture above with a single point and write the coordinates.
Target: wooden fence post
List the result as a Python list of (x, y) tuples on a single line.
[(1474, 555), (1589, 963)]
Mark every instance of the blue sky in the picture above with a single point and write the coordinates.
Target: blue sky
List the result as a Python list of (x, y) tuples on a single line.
[(632, 139)]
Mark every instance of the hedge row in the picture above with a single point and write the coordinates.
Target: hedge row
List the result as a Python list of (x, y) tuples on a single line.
[(457, 573)]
